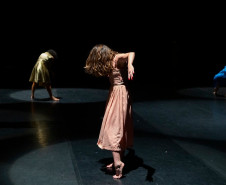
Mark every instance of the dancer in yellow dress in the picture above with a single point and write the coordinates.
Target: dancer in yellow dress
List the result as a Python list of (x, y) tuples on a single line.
[(40, 74), (116, 133)]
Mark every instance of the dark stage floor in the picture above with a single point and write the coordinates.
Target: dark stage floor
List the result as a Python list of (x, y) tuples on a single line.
[(180, 138)]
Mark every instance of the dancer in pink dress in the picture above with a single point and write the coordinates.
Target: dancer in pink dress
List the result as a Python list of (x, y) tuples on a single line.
[(116, 133)]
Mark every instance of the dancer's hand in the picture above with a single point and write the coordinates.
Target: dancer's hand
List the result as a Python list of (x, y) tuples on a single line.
[(130, 71)]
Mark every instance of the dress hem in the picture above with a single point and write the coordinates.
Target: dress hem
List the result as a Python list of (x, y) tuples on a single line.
[(113, 149)]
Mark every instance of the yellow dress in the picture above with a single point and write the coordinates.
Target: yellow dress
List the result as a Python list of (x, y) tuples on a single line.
[(41, 71)]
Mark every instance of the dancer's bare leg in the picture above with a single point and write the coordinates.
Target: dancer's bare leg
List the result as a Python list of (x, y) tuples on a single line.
[(118, 164), (49, 89), (111, 165), (215, 90), (33, 86)]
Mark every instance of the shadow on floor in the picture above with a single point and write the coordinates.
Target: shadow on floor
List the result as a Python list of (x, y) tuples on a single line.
[(132, 162)]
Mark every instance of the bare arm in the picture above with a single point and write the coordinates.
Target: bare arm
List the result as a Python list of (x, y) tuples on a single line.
[(130, 57), (124, 55)]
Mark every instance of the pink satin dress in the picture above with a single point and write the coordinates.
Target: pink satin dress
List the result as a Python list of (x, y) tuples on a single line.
[(116, 131)]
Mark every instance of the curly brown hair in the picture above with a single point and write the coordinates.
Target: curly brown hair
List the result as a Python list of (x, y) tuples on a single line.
[(100, 60)]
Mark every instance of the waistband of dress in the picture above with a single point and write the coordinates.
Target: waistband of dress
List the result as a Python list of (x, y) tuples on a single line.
[(118, 84)]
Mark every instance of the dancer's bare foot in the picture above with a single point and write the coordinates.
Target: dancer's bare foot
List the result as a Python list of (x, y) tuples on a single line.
[(32, 97), (54, 98), (109, 165), (118, 171)]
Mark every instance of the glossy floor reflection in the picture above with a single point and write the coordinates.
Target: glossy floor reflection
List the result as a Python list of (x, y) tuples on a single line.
[(179, 138)]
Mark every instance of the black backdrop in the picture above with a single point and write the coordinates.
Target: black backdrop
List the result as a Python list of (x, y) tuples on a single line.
[(175, 47)]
